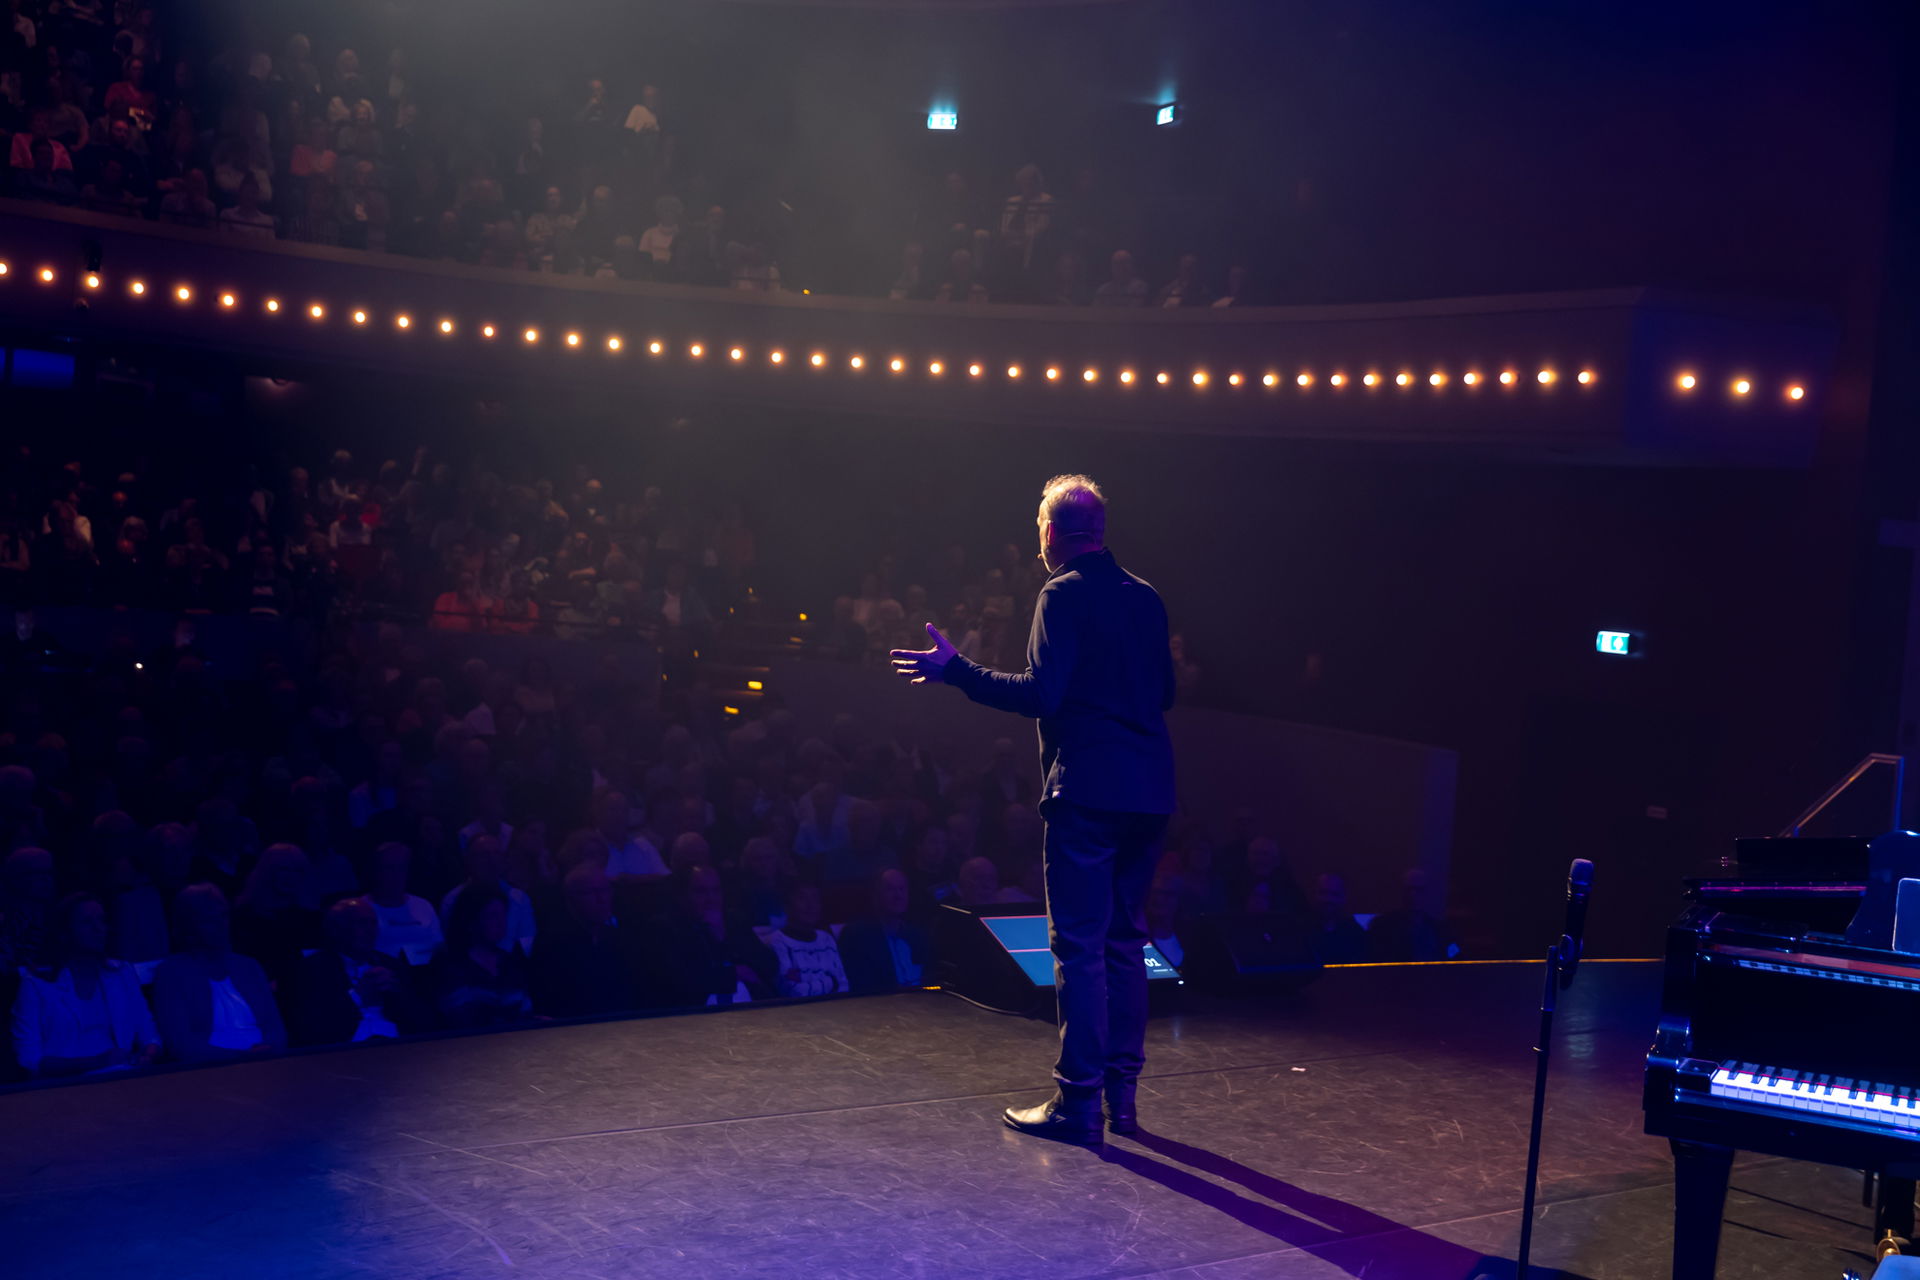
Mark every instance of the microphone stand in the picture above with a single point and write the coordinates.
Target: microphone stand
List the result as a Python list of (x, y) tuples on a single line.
[(1563, 957)]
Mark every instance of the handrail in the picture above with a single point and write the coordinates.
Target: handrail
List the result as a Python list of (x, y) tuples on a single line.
[(1854, 775)]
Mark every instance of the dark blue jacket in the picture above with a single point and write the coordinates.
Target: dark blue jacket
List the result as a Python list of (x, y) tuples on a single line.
[(1099, 680)]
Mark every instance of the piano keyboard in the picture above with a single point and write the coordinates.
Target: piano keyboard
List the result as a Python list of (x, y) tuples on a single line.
[(1895, 1106)]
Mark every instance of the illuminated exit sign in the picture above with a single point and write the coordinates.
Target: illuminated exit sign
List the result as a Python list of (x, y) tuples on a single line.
[(943, 120), (1617, 644)]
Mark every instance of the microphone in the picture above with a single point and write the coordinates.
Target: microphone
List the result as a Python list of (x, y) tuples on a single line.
[(1573, 941)]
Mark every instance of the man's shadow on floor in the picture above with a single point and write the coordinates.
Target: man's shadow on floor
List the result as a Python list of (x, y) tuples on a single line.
[(1358, 1241)]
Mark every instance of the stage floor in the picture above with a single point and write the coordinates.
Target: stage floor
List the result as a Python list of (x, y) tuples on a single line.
[(1376, 1128)]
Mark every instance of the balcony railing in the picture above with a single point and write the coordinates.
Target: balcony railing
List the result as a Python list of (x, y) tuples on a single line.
[(1620, 375)]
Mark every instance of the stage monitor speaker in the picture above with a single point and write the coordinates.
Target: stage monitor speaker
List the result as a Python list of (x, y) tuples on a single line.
[(998, 956), (1266, 950)]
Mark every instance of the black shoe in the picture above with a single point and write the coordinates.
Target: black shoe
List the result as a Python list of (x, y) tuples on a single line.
[(1122, 1116), (1052, 1119)]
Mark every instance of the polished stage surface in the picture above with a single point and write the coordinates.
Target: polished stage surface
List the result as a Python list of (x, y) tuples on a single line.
[(1376, 1127)]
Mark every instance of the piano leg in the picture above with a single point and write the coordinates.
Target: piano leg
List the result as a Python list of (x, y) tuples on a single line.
[(1893, 1207), (1700, 1174)]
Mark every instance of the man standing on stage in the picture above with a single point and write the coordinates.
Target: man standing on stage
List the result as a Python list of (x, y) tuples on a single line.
[(1099, 680)]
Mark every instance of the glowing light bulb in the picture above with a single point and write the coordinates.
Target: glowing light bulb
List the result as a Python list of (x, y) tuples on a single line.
[(4, 268), (183, 293), (696, 351), (1161, 378), (1053, 375), (1089, 375), (856, 363), (1338, 379), (1371, 380), (613, 343), (1403, 379), (531, 335), (403, 322), (776, 357), (1304, 379), (1742, 386), (1199, 377), (573, 339), (974, 371), (46, 275), (317, 311), (1508, 377), (446, 326), (1471, 379), (1126, 377), (897, 364), (736, 353), (1013, 371), (486, 331), (1796, 392), (92, 280), (228, 300), (273, 305), (1546, 377), (816, 360), (1585, 378), (359, 317), (654, 348), (936, 368)]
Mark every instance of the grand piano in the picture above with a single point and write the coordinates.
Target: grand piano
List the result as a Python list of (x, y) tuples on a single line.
[(1789, 1026)]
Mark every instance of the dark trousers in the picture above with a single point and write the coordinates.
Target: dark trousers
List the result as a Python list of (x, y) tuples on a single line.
[(1098, 864)]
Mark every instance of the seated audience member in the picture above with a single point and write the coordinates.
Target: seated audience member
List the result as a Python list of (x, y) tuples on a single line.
[(210, 1001), (807, 958), (1163, 918), (1337, 936), (763, 883), (1186, 288), (701, 953), (1235, 294), (26, 905), (930, 874), (481, 980), (978, 885), (349, 990), (587, 963), (1414, 930), (409, 926), (83, 1012), (1190, 863), (272, 922), (1264, 880), (1123, 288), (886, 950), (486, 864), (628, 853), (136, 909)]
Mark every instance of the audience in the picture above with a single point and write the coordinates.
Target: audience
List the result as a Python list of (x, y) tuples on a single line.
[(886, 950), (210, 1001), (481, 980), (807, 959), (348, 990), (83, 1012), (407, 161), (589, 838)]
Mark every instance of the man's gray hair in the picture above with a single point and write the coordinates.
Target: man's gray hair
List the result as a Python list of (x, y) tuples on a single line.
[(1076, 507)]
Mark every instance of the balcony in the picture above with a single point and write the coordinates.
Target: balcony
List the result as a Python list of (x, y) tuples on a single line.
[(1633, 376)]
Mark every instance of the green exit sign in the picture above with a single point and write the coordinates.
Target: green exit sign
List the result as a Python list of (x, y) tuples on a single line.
[(1617, 644)]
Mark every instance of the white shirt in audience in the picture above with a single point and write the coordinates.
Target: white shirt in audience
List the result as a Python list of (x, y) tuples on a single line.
[(410, 929)]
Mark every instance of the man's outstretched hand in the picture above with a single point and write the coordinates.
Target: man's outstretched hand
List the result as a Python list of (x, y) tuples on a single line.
[(922, 665)]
